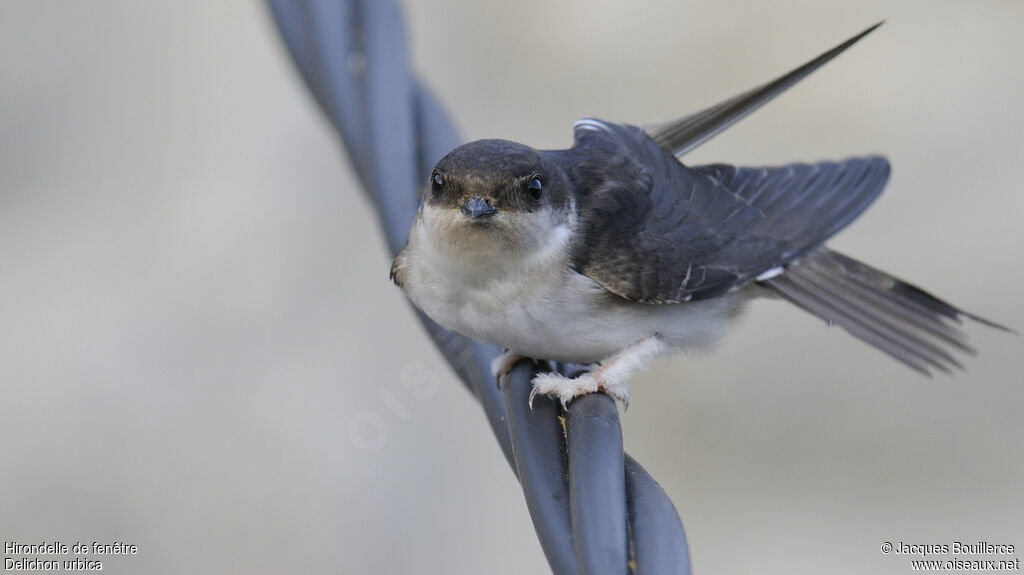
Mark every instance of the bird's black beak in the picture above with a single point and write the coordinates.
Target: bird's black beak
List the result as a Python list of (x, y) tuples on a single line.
[(477, 207)]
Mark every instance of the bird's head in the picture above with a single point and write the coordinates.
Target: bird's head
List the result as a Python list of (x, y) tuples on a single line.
[(494, 197)]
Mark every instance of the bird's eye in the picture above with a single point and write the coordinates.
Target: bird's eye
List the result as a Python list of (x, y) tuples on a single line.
[(437, 182), (534, 187)]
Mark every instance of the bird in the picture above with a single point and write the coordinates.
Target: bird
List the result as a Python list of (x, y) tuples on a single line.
[(614, 252)]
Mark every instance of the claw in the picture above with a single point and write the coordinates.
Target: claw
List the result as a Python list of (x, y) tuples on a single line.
[(566, 389), (610, 376), (533, 394)]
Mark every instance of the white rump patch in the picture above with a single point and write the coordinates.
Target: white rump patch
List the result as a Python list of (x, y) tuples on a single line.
[(775, 271)]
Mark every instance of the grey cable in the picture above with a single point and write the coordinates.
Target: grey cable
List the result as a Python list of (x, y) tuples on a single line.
[(595, 510)]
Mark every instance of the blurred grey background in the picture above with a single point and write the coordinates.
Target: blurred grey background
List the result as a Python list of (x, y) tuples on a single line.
[(201, 353)]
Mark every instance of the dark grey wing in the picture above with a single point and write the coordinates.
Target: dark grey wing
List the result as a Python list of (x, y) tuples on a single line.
[(682, 135), (898, 318), (653, 230)]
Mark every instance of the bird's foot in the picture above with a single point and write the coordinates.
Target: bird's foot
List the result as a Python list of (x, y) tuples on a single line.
[(502, 365), (568, 388), (610, 377)]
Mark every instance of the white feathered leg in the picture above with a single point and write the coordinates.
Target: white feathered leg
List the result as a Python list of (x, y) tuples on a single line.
[(611, 376)]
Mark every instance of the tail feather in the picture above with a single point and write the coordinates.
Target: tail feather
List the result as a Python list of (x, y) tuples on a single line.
[(891, 310), (902, 320)]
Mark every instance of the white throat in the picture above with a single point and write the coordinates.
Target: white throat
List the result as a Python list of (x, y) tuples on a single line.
[(480, 260)]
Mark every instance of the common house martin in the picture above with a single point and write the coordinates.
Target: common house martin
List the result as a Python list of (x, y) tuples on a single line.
[(613, 252)]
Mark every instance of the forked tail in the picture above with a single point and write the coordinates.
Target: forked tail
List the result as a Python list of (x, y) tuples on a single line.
[(898, 318)]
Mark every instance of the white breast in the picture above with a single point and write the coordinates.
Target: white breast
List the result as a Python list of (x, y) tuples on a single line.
[(539, 307)]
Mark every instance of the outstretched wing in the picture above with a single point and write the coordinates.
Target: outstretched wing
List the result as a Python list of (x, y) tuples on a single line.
[(653, 230), (684, 134)]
